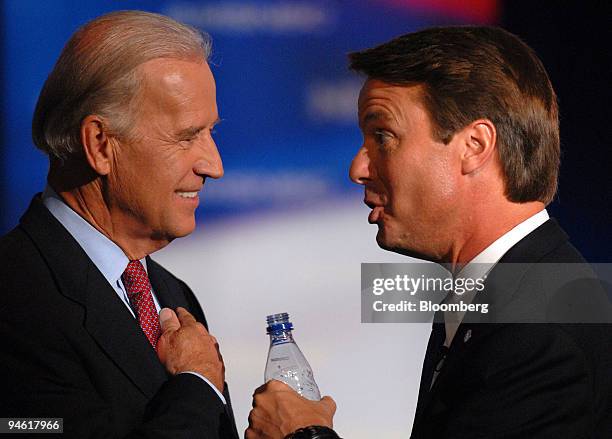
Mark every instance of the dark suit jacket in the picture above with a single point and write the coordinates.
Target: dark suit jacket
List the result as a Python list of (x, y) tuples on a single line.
[(521, 380), (71, 349)]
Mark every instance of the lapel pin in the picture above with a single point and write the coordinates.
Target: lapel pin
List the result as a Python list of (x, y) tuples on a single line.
[(468, 335)]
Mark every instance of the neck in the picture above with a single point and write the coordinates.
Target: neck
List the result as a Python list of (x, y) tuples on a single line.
[(485, 226), (87, 199)]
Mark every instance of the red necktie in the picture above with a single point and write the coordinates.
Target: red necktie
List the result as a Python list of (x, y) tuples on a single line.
[(138, 288)]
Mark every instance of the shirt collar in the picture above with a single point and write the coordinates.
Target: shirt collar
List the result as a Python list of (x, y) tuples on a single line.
[(481, 265), (104, 253), (484, 261)]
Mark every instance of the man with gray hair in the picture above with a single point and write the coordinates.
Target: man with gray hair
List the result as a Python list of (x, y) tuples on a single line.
[(95, 331)]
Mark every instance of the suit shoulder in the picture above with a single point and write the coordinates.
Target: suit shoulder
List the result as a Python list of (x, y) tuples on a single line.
[(20, 260), (29, 289), (564, 253), (13, 242)]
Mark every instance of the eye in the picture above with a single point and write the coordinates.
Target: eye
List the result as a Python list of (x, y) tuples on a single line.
[(382, 137), (188, 138), (186, 142)]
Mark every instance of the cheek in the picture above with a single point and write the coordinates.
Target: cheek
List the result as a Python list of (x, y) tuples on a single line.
[(444, 181), (422, 189), (136, 188), (396, 189), (177, 166)]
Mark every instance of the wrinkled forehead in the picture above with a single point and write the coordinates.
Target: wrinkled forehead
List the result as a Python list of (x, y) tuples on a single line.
[(392, 99), (375, 88), (369, 86)]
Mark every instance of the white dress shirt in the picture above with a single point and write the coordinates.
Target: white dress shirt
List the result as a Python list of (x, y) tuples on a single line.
[(104, 253), (480, 266)]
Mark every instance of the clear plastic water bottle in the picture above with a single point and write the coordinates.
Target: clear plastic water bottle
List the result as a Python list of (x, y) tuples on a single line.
[(286, 362)]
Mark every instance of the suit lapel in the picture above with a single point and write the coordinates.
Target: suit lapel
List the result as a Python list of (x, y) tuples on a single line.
[(167, 290), (500, 285), (107, 319), (165, 287), (120, 336)]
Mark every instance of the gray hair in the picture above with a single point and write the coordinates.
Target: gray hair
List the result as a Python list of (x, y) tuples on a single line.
[(97, 73)]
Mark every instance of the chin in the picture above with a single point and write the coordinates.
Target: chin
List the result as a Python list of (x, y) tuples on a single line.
[(180, 229), (383, 241), (386, 242), (185, 230)]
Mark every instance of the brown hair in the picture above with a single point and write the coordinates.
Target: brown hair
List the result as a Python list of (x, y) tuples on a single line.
[(471, 72)]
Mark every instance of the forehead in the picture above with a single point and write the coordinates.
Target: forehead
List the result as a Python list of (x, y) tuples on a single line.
[(379, 99), (175, 95), (174, 81)]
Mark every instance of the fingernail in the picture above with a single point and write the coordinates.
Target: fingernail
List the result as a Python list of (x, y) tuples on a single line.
[(164, 314)]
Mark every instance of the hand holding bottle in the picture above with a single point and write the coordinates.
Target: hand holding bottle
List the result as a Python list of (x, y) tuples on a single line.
[(278, 411)]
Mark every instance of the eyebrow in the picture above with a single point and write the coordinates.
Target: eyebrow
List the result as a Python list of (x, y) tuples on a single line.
[(194, 130)]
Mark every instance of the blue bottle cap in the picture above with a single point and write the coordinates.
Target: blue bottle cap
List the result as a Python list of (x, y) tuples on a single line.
[(278, 322)]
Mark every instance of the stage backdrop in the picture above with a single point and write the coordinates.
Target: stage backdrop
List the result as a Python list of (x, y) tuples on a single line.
[(284, 230)]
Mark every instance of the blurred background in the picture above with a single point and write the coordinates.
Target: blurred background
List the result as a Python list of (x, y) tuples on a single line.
[(285, 230)]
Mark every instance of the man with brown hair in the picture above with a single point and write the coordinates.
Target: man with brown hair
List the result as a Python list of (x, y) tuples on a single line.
[(459, 160)]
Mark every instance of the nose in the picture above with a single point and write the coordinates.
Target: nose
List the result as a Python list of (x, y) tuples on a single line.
[(359, 171), (209, 162)]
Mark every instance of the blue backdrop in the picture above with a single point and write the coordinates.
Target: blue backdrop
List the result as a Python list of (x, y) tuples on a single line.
[(286, 99)]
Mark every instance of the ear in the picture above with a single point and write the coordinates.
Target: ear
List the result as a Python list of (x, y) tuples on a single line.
[(97, 144), (480, 139)]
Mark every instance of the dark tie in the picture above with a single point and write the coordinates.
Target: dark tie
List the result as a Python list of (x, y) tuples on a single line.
[(434, 356), (138, 288)]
